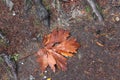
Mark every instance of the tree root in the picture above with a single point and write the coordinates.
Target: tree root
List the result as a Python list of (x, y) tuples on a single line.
[(10, 65), (94, 8)]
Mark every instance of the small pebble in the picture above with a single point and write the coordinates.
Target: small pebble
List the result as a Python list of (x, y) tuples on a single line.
[(44, 77), (22, 63), (117, 19), (14, 13), (31, 77), (45, 71)]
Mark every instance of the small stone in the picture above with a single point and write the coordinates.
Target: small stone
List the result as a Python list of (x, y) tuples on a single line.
[(22, 63), (45, 71), (14, 13), (44, 77), (117, 19), (31, 77)]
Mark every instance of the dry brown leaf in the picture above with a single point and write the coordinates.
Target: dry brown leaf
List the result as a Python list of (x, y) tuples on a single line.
[(57, 45), (68, 45), (55, 36), (42, 59)]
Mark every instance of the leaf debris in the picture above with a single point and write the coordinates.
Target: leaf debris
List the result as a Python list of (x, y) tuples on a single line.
[(57, 46)]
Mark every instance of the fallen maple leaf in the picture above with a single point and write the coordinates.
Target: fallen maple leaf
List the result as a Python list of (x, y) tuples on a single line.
[(57, 46)]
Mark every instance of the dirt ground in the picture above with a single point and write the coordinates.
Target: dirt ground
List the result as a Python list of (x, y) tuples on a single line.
[(98, 57)]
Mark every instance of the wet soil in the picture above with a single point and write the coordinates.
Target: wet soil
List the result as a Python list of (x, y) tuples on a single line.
[(98, 57)]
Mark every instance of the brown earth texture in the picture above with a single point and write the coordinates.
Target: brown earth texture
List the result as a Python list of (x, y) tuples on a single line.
[(21, 34)]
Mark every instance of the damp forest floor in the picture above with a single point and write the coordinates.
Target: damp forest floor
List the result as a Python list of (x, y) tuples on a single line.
[(98, 57)]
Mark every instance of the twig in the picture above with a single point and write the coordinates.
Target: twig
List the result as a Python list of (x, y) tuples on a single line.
[(26, 57), (58, 10), (1, 36), (10, 65), (94, 8), (9, 4), (4, 38)]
